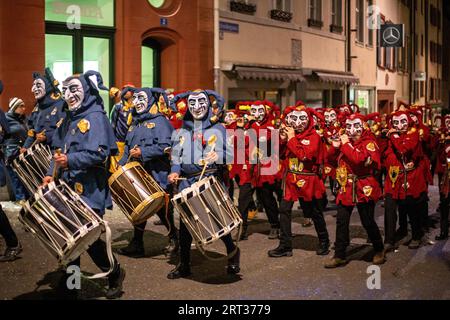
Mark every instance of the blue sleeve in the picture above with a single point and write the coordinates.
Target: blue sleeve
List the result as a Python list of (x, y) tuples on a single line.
[(28, 142), (160, 143), (126, 154), (176, 153), (85, 159)]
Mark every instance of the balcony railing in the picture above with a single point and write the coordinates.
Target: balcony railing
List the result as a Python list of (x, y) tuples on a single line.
[(242, 7), (315, 23), (281, 15)]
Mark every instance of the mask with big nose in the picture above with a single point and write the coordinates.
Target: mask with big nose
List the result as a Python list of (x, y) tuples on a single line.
[(73, 93), (140, 101), (354, 128), (447, 123), (400, 123), (299, 120), (38, 89), (258, 112)]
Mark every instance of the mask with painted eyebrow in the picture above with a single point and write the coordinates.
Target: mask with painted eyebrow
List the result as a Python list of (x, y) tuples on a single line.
[(354, 128), (299, 120), (198, 105), (330, 118), (258, 112), (73, 93), (400, 123), (140, 101), (38, 89)]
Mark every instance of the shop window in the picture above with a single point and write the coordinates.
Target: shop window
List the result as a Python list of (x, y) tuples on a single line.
[(150, 66), (91, 12)]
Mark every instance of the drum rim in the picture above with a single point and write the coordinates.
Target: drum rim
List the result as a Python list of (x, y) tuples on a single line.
[(144, 203), (121, 170)]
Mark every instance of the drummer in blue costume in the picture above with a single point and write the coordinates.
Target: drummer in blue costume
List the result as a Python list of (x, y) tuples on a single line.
[(48, 113), (87, 142), (201, 140), (149, 142)]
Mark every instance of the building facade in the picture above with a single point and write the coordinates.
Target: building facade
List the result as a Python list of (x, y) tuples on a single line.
[(166, 43), (283, 51)]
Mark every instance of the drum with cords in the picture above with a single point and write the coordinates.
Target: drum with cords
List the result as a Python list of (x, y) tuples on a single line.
[(137, 194)]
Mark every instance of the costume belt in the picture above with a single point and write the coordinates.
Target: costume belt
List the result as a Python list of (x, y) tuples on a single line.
[(303, 173)]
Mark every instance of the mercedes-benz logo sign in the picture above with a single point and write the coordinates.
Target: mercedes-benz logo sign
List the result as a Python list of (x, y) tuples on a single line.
[(391, 35)]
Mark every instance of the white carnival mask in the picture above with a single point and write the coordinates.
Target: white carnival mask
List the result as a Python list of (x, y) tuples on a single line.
[(330, 118), (198, 105), (400, 122), (73, 93), (229, 117), (140, 101), (447, 123), (298, 120), (38, 89), (258, 112), (354, 128)]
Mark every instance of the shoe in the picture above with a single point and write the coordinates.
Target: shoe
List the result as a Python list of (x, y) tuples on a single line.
[(172, 249), (401, 234), (233, 263), (379, 258), (414, 244), (115, 281), (307, 223), (280, 252), (135, 249), (252, 214), (244, 234), (388, 247), (11, 253), (442, 236), (324, 249), (274, 233), (335, 263), (181, 271)]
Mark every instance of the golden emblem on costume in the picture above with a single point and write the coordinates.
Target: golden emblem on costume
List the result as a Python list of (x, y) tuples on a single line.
[(154, 109), (301, 183), (131, 128), (301, 166), (79, 188), (54, 111), (130, 119), (421, 132), (31, 133), (84, 126), (293, 164), (342, 177), (182, 139), (367, 191), (257, 154), (371, 147), (59, 122), (394, 171), (327, 170), (151, 125)]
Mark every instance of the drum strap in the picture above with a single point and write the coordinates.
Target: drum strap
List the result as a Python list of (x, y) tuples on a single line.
[(112, 262)]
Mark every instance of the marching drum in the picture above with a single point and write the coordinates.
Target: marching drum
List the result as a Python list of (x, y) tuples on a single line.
[(32, 166), (136, 193), (65, 225), (207, 211)]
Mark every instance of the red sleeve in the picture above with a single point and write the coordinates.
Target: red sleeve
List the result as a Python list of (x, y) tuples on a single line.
[(360, 155), (406, 144), (305, 150)]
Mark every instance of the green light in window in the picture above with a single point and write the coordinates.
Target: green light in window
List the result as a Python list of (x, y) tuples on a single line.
[(157, 3)]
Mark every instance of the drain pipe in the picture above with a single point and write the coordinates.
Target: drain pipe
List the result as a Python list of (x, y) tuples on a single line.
[(216, 47)]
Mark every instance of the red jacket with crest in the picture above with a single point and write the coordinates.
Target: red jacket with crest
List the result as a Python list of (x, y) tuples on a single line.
[(302, 157), (357, 161), (403, 149)]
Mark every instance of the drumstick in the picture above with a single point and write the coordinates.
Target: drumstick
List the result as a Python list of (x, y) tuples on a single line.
[(35, 140), (206, 164), (129, 157), (55, 167)]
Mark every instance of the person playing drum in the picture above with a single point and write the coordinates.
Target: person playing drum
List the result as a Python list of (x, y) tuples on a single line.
[(148, 141), (194, 149), (87, 141), (48, 113)]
